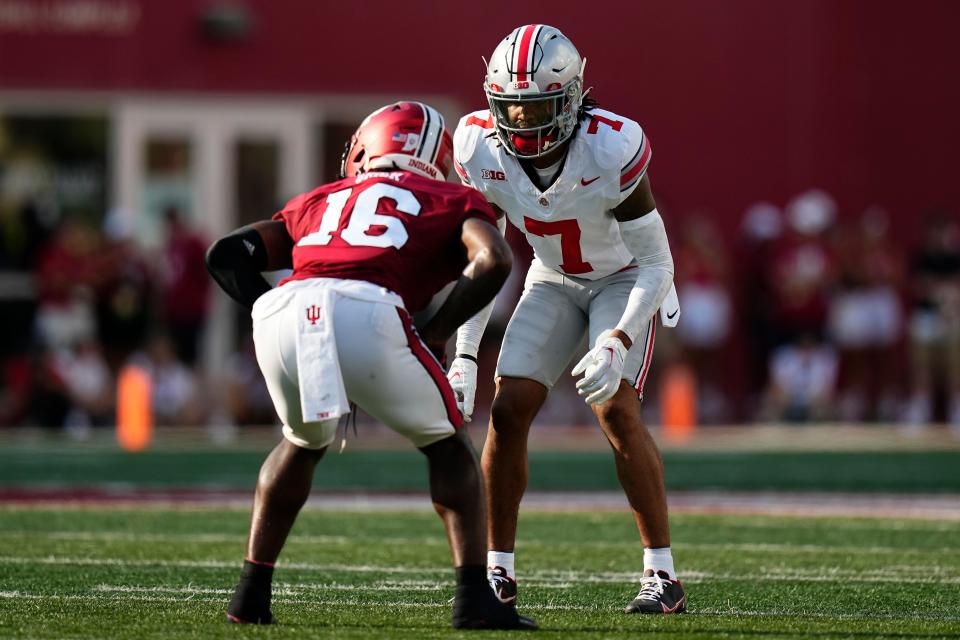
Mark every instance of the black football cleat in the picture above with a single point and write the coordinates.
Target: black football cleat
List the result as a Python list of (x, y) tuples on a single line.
[(503, 586), (249, 606), (658, 594), (478, 608)]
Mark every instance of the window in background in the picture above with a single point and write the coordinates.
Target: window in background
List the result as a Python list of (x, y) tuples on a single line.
[(332, 137), (256, 164), (257, 172), (54, 165), (168, 182)]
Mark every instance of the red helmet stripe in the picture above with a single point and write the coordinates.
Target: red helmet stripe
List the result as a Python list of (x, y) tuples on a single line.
[(525, 51)]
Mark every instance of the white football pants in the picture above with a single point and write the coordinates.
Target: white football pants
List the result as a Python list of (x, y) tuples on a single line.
[(387, 370)]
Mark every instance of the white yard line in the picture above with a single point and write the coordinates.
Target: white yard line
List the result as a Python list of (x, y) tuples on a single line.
[(212, 564), (552, 578), (194, 538)]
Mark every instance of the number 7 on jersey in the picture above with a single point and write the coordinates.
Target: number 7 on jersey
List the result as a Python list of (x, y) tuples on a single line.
[(569, 232)]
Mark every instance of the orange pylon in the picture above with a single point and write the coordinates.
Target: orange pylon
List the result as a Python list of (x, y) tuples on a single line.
[(134, 414), (678, 399)]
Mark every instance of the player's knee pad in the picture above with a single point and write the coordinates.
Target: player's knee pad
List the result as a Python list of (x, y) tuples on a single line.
[(312, 435), (425, 437)]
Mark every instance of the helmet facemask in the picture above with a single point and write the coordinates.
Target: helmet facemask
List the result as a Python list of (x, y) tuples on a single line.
[(537, 138)]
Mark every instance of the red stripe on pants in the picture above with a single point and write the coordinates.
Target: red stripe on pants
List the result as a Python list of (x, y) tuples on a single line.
[(647, 356), (434, 370)]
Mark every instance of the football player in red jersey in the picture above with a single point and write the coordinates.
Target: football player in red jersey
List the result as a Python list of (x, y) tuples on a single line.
[(367, 251)]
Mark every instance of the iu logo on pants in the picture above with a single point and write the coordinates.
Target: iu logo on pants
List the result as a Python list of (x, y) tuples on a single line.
[(313, 313)]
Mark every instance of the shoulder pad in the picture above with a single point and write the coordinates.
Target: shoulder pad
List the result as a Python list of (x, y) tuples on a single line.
[(471, 128), (610, 136), (636, 159)]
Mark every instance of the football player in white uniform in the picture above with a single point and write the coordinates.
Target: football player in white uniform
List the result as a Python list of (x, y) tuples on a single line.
[(572, 177)]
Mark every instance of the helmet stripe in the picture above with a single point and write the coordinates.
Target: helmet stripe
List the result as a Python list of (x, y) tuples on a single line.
[(423, 130), (512, 57), (431, 134), (538, 29), (441, 125), (525, 51)]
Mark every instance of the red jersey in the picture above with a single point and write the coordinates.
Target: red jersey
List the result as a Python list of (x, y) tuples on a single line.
[(395, 229)]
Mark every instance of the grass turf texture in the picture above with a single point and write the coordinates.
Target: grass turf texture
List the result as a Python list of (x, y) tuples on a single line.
[(902, 471), (163, 573)]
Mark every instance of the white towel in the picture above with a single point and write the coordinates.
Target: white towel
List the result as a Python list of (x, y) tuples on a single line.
[(322, 394), (670, 308)]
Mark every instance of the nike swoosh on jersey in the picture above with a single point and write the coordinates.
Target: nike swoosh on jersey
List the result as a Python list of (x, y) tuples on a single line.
[(585, 182), (670, 316)]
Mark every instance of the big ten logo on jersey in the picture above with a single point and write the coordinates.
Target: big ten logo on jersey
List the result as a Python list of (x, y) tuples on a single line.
[(490, 174)]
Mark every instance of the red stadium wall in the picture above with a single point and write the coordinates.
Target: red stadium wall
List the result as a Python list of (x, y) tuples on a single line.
[(743, 99)]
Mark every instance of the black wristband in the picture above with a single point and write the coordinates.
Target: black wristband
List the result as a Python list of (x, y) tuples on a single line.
[(467, 356)]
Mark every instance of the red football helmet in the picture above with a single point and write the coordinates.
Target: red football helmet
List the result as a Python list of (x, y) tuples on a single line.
[(404, 136)]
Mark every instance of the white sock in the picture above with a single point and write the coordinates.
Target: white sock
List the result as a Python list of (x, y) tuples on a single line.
[(501, 559), (659, 560)]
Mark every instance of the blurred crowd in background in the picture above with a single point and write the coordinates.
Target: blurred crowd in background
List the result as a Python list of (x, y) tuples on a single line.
[(807, 316), (811, 316), (187, 116)]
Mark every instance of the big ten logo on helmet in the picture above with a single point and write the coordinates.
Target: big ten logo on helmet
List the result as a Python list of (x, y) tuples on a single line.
[(520, 85), (490, 174)]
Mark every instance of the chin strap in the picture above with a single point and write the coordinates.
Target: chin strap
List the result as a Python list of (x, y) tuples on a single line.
[(532, 147)]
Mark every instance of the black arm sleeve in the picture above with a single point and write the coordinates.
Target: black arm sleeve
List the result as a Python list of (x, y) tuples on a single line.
[(235, 262)]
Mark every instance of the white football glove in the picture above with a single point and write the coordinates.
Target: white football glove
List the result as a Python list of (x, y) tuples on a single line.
[(463, 380), (603, 366)]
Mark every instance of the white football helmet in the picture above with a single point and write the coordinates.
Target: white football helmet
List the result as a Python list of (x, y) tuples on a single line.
[(535, 63)]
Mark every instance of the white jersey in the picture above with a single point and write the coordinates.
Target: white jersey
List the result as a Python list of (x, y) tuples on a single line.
[(570, 225)]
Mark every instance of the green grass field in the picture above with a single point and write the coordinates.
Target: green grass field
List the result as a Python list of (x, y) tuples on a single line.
[(167, 573)]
